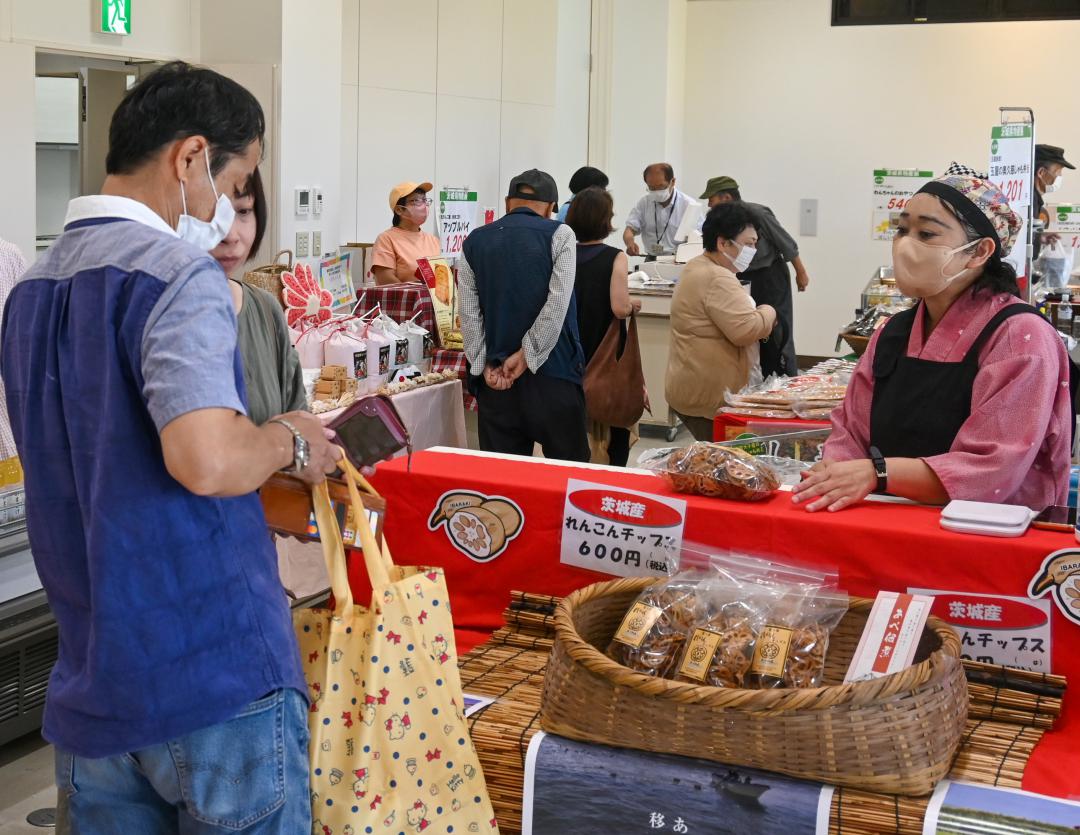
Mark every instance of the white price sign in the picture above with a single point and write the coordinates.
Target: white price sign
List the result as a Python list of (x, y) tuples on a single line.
[(1064, 219), (622, 532), (1011, 147), (997, 629), (457, 216), (892, 189)]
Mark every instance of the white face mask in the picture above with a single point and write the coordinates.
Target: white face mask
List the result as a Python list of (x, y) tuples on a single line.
[(660, 195), (743, 259), (1054, 186), (202, 233)]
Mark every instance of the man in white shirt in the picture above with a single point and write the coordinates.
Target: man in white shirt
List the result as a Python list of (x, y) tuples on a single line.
[(657, 215)]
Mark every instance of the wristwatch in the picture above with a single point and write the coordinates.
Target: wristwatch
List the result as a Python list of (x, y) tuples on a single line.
[(300, 447), (880, 470)]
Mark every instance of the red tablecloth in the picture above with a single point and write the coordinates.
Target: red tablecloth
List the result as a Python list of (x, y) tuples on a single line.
[(875, 546), (401, 302), (449, 359)]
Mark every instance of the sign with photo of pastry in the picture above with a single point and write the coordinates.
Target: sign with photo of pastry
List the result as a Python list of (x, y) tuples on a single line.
[(439, 277)]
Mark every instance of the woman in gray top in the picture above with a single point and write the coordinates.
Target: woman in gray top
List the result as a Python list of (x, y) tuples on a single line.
[(272, 373)]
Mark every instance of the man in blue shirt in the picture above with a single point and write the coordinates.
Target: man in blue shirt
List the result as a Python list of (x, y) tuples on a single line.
[(177, 703)]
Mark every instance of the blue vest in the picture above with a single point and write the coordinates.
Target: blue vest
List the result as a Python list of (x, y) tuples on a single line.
[(171, 612), (511, 259)]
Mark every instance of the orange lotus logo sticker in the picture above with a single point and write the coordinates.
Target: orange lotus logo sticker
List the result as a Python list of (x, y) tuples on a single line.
[(479, 526), (1060, 572)]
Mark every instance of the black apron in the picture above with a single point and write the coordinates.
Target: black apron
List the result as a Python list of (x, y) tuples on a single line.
[(919, 405)]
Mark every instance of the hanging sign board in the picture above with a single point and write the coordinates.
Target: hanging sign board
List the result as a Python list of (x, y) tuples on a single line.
[(892, 188), (457, 216), (1010, 170)]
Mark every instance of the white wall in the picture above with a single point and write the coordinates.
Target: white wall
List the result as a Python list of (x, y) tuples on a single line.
[(792, 108), (17, 214), (644, 67), (309, 142), (57, 183), (161, 29), (458, 92)]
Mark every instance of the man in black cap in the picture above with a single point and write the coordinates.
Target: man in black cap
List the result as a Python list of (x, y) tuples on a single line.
[(519, 326), (1050, 162)]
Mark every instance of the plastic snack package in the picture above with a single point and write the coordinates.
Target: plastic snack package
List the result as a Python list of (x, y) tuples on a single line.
[(711, 470), (653, 631), (763, 624)]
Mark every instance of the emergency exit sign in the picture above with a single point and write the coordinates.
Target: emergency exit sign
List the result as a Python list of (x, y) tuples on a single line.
[(116, 17)]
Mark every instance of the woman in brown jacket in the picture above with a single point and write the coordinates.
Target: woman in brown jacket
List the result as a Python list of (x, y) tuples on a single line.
[(715, 325)]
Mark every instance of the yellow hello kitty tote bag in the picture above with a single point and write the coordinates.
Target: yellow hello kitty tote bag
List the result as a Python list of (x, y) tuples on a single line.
[(390, 748)]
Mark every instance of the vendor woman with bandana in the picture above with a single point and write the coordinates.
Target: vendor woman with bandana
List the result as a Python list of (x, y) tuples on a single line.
[(966, 395)]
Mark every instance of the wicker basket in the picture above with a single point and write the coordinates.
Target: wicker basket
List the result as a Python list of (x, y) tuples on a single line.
[(268, 278), (896, 734)]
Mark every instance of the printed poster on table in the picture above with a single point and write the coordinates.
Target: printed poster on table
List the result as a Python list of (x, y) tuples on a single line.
[(574, 788), (997, 629), (335, 275), (893, 187), (457, 215), (1010, 170), (958, 808), (619, 531)]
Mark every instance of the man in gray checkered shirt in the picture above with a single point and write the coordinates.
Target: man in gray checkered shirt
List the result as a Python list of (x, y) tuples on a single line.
[(519, 325)]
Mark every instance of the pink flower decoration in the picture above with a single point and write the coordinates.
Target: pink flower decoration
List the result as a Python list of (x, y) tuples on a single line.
[(305, 301)]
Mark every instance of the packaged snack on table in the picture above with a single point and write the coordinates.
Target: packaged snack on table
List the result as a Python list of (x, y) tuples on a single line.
[(712, 470), (651, 636), (763, 625)]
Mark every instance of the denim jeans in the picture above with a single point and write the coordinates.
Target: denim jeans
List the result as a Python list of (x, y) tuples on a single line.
[(246, 775)]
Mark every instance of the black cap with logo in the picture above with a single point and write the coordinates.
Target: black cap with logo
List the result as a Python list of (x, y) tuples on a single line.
[(534, 185)]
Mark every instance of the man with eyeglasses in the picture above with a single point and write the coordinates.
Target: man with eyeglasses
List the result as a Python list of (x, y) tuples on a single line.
[(658, 215), (398, 249)]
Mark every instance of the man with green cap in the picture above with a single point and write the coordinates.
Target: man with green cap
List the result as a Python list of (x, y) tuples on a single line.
[(768, 274)]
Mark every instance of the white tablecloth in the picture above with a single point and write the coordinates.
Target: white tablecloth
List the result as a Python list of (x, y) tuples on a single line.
[(434, 415)]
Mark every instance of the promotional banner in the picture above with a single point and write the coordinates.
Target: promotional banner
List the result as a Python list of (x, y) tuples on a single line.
[(1011, 147), (574, 788), (892, 188), (457, 216), (620, 531), (335, 276)]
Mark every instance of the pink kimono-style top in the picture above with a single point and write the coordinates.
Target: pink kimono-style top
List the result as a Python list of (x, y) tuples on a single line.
[(1014, 448)]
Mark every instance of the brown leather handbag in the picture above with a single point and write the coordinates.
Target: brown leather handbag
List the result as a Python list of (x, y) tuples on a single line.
[(614, 382)]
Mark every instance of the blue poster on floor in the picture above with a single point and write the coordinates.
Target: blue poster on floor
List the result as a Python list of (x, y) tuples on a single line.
[(575, 788)]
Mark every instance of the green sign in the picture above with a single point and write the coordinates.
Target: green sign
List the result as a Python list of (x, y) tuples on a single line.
[(116, 17)]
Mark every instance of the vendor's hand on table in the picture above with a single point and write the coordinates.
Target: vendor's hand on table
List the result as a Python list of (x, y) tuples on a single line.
[(632, 248), (323, 452), (802, 281), (834, 485)]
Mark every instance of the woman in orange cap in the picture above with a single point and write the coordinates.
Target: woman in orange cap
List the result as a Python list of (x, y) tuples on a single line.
[(399, 247)]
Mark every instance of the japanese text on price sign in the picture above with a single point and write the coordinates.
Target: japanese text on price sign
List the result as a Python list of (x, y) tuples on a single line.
[(997, 629), (893, 187), (1010, 170), (622, 532), (457, 216)]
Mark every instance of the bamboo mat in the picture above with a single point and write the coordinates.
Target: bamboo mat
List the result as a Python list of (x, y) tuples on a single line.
[(1010, 709)]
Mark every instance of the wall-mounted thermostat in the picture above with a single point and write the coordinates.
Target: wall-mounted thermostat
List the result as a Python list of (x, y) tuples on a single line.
[(316, 202), (303, 201)]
